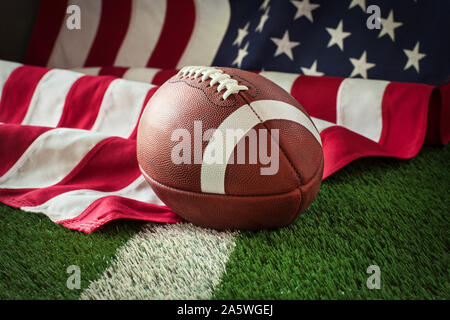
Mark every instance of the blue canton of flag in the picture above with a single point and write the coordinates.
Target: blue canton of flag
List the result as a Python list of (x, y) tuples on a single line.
[(407, 40)]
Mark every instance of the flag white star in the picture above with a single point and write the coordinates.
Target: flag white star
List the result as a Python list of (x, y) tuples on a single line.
[(414, 56), (242, 33), (361, 3), (262, 20), (304, 8), (240, 56), (312, 71), (360, 66), (284, 45), (338, 35), (264, 5), (389, 26)]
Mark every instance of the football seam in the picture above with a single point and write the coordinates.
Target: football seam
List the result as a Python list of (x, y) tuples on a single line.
[(300, 180), (299, 177), (254, 86), (204, 93), (297, 213)]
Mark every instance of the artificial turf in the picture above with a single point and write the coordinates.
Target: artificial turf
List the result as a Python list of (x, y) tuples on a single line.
[(378, 211), (388, 212), (35, 254)]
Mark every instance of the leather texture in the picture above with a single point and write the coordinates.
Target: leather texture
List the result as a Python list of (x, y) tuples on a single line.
[(251, 200)]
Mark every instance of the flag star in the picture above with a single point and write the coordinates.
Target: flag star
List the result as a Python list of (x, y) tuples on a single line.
[(361, 3), (360, 66), (304, 8), (389, 26), (242, 33), (338, 35), (264, 5), (284, 45), (263, 20), (241, 55), (312, 71), (414, 56)]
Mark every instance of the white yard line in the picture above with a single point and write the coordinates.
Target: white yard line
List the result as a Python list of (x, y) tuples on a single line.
[(166, 261)]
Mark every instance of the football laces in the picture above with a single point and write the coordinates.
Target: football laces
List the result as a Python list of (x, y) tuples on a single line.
[(216, 76)]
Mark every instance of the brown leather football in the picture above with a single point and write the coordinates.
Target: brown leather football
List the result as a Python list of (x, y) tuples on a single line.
[(229, 149)]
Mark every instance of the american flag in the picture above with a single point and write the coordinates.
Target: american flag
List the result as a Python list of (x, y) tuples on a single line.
[(69, 114)]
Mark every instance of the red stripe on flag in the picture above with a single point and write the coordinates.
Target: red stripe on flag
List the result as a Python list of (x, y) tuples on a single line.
[(317, 95), (109, 166), (113, 26), (445, 113), (15, 139), (83, 102), (18, 91), (433, 135), (110, 208), (341, 146), (113, 71), (49, 21), (162, 76), (175, 34), (405, 110)]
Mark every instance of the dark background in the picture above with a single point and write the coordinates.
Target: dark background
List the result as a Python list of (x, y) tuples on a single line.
[(17, 18)]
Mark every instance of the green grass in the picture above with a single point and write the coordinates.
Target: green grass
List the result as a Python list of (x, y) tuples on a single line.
[(35, 254), (387, 212)]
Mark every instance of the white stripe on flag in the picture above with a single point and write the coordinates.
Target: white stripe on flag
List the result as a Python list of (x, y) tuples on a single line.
[(147, 19), (70, 204), (359, 106), (6, 68), (166, 261), (72, 46), (48, 99), (50, 158), (141, 74), (211, 23), (284, 80), (121, 107), (321, 124), (92, 71)]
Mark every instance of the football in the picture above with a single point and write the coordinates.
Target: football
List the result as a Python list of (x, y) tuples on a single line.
[(229, 149)]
